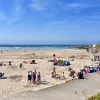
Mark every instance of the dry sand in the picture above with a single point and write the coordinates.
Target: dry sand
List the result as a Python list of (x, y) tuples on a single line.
[(16, 78)]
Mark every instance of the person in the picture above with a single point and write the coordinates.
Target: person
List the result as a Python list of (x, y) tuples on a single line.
[(35, 72), (54, 70), (54, 55), (53, 75), (21, 65), (72, 72), (80, 75), (63, 75), (1, 75), (98, 68), (38, 77), (1, 64), (34, 77), (33, 62), (29, 76), (9, 63), (84, 70)]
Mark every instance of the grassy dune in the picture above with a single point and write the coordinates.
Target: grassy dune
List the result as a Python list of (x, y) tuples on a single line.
[(97, 97), (98, 45)]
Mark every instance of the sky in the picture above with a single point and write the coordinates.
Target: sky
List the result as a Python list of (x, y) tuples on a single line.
[(49, 21)]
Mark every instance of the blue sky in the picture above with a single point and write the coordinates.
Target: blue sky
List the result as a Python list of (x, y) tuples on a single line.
[(49, 21)]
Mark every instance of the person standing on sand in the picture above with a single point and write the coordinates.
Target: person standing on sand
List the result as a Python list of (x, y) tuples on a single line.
[(35, 72), (34, 77), (21, 65), (29, 76), (53, 72)]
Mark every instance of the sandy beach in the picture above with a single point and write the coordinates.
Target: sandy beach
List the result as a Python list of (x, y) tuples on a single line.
[(16, 79)]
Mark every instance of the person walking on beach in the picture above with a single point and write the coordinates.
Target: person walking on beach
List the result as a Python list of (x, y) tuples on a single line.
[(29, 76)]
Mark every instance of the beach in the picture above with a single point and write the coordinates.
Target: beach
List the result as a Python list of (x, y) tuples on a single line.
[(16, 79)]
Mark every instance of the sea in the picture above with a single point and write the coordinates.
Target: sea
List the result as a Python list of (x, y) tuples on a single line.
[(10, 46)]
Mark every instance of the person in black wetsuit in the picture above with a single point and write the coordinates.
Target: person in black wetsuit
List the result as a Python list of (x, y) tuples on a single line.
[(29, 76), (80, 75), (34, 78)]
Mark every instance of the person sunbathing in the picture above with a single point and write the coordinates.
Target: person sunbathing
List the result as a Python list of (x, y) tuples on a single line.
[(33, 62), (29, 62), (52, 60)]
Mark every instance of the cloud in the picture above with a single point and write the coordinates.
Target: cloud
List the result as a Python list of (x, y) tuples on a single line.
[(76, 6), (15, 13), (42, 5), (73, 5), (38, 5), (82, 5)]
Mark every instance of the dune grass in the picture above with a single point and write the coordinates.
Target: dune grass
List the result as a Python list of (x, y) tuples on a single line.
[(98, 45), (97, 97)]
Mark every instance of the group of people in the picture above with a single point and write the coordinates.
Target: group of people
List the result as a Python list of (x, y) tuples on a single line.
[(58, 61), (72, 74), (96, 58), (4, 64), (55, 75), (30, 62), (34, 77), (88, 69), (91, 69)]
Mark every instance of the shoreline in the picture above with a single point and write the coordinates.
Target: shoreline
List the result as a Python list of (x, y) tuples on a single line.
[(34, 47)]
